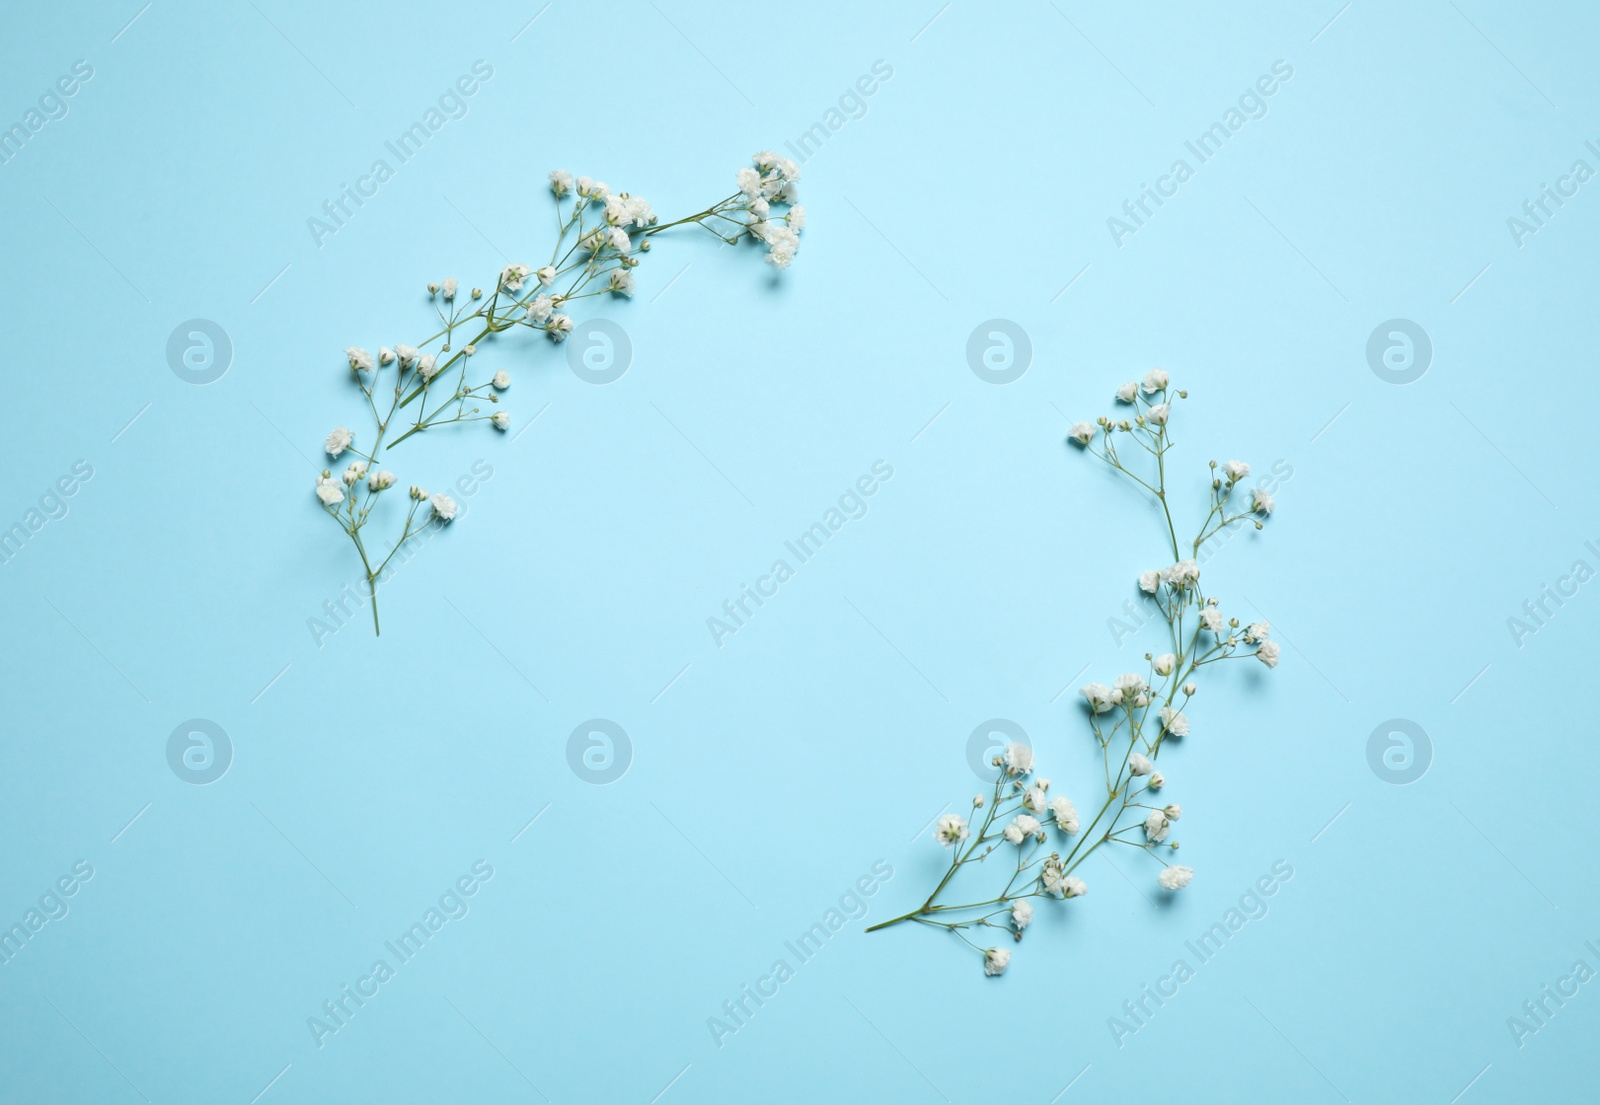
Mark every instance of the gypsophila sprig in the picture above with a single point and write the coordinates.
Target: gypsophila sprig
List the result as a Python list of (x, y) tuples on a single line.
[(1034, 834), (601, 239)]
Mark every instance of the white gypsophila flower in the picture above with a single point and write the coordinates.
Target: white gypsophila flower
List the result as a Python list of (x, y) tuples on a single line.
[(1211, 618), (380, 481), (444, 507), (591, 189), (1028, 823), (561, 182), (1185, 573), (616, 210), (406, 354), (1018, 758), (1156, 826), (977, 801), (1175, 878), (1267, 653), (619, 240), (796, 218), (1174, 722), (1082, 432), (501, 380), (1157, 780), (1258, 631), (385, 355), (1021, 913), (1190, 689), (783, 242), (360, 360), (621, 283), (950, 830), (1142, 699), (329, 492), (1174, 811), (1073, 887), (427, 366), (338, 441), (1236, 470), (1066, 814), (546, 275), (512, 276), (764, 159), (1139, 764), (1127, 392), (640, 211), (1033, 799), (1157, 415), (760, 208), (995, 961), (1261, 502), (1100, 697), (449, 287), (1155, 380), (1131, 685), (560, 326), (1012, 833), (1164, 663), (419, 494), (539, 309), (357, 469), (501, 420), (749, 181)]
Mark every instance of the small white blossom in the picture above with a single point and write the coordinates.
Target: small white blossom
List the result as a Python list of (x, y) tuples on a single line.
[(1033, 799), (444, 507), (1018, 758), (512, 276), (1127, 392), (1156, 826), (1175, 878), (621, 283), (1100, 697), (1073, 887), (783, 242), (406, 354), (1157, 415), (1190, 689), (1236, 470), (502, 380), (1149, 582), (1131, 685), (1174, 722), (1021, 913), (354, 473), (380, 481), (449, 287), (1157, 780), (1267, 653), (1261, 502), (385, 355), (1257, 631), (427, 366), (1164, 663), (539, 309), (329, 492), (1155, 380), (950, 830), (1139, 764), (1211, 618), (1174, 812), (560, 326), (1082, 432), (360, 360), (561, 182), (1066, 814), (995, 961), (501, 420), (338, 441), (796, 218), (546, 275), (1185, 573), (749, 181)]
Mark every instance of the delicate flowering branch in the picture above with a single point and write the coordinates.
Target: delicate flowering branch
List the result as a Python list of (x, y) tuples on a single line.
[(1131, 720), (600, 240)]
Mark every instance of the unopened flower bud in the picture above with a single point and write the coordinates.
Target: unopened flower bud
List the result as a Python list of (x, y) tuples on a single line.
[(1157, 781), (1189, 689)]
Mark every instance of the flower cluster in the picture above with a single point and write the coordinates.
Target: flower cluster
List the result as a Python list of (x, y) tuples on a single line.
[(1131, 718), (601, 239)]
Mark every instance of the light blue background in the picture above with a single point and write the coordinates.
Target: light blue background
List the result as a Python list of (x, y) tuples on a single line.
[(774, 771)]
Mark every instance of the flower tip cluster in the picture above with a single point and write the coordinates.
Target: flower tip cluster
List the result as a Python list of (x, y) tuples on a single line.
[(1175, 878), (995, 961)]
